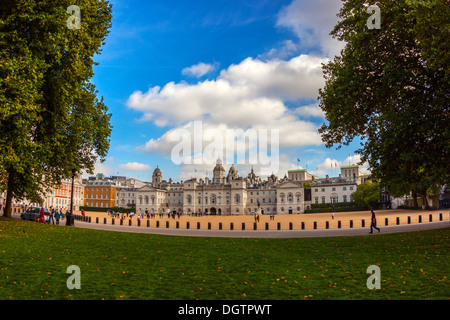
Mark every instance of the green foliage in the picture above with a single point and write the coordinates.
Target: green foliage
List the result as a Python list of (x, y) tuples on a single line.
[(51, 122), (390, 87), (367, 194)]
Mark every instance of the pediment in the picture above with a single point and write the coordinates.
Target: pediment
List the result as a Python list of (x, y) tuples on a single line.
[(289, 185), (147, 188)]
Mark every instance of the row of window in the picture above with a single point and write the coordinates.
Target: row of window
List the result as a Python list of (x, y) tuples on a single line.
[(97, 189), (97, 196), (334, 199), (332, 189)]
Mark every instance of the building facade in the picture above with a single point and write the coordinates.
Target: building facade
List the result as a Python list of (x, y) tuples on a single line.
[(100, 194), (229, 193)]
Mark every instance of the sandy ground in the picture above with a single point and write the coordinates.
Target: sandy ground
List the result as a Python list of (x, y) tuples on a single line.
[(298, 221)]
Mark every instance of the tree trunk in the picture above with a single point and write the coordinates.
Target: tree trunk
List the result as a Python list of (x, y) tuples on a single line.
[(7, 212), (424, 199), (414, 194)]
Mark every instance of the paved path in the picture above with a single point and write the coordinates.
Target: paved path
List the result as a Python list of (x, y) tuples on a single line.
[(267, 233), (333, 231)]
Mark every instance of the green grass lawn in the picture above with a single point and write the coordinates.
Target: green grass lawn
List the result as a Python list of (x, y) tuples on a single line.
[(34, 260)]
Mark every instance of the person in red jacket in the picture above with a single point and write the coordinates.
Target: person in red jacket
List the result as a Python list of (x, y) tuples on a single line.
[(42, 215)]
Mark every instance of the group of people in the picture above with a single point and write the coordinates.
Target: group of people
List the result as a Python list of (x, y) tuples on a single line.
[(54, 215)]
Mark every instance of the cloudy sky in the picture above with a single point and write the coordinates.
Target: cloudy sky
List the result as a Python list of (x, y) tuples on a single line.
[(231, 66)]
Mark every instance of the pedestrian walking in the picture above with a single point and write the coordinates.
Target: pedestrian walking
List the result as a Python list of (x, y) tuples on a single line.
[(373, 223), (52, 214), (57, 216), (42, 215)]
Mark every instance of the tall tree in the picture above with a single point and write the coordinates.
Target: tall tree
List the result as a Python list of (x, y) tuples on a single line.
[(367, 194), (51, 123), (387, 88)]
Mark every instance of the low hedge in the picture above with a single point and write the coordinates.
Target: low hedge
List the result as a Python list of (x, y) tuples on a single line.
[(115, 209), (328, 210)]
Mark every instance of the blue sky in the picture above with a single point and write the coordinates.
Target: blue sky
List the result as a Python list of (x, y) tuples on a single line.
[(229, 64)]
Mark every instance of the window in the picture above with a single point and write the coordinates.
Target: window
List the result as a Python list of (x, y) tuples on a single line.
[(345, 198), (290, 197), (333, 189), (323, 199), (237, 198), (316, 200)]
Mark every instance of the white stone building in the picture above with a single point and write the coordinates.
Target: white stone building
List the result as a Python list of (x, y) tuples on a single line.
[(233, 194)]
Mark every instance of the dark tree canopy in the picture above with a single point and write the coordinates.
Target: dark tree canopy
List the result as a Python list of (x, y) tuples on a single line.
[(51, 122), (390, 86)]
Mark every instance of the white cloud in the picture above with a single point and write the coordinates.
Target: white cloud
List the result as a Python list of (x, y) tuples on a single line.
[(198, 70), (332, 167), (105, 167), (310, 111), (251, 92), (248, 95), (254, 93), (134, 166), (312, 22)]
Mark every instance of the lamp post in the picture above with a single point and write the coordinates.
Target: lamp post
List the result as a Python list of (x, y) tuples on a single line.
[(70, 220)]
